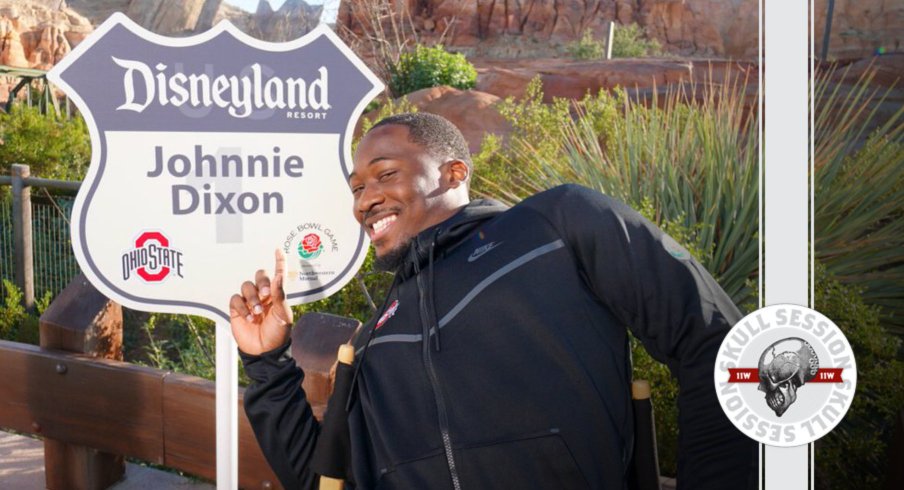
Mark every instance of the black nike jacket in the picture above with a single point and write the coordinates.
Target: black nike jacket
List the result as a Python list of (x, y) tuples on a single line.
[(500, 358)]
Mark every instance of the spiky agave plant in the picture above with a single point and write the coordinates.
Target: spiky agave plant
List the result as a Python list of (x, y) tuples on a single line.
[(691, 152), (859, 182)]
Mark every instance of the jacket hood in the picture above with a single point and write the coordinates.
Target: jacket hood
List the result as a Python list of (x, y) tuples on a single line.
[(449, 233)]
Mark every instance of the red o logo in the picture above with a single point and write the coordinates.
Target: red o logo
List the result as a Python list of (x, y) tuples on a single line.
[(164, 242)]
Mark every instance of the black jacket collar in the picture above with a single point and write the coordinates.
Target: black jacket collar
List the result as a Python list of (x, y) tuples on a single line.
[(446, 235)]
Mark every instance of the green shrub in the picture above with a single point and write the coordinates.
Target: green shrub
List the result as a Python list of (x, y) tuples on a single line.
[(16, 323), (500, 173), (630, 42), (672, 152), (587, 48), (179, 343), (53, 146), (853, 455), (431, 67), (859, 181)]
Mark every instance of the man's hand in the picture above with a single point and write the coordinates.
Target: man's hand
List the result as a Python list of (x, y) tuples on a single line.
[(260, 319)]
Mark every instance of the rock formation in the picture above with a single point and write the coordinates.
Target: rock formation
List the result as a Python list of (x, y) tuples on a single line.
[(168, 17), (293, 19), (183, 17), (33, 35), (722, 28)]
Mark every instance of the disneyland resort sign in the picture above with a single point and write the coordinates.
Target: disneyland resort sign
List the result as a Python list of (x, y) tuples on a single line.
[(210, 152)]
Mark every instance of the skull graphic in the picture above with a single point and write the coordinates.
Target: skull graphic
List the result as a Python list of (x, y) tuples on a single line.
[(784, 367)]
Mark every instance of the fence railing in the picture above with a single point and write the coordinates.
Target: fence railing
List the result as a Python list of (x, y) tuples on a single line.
[(35, 246)]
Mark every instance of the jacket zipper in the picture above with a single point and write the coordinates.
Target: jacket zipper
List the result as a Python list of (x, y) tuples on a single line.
[(431, 372)]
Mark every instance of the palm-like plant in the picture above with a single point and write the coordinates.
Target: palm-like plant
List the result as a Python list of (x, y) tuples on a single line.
[(693, 153), (859, 200)]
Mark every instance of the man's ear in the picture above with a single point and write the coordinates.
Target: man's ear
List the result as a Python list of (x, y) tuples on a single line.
[(456, 173)]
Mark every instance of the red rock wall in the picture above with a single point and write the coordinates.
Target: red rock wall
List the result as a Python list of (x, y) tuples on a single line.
[(724, 28), (35, 36)]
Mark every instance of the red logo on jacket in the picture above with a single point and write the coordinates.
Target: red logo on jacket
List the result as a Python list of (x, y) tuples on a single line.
[(387, 314)]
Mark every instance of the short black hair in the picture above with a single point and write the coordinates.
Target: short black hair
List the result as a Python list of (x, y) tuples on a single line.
[(436, 134)]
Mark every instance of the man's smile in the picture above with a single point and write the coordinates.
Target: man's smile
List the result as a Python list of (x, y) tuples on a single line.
[(379, 222), (380, 227)]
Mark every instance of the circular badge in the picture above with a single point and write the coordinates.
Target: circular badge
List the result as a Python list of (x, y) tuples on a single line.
[(785, 375)]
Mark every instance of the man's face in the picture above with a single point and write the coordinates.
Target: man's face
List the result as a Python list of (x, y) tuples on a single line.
[(398, 189)]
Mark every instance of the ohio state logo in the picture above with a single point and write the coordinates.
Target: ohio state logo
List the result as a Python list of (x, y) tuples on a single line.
[(389, 313), (152, 259), (785, 375), (310, 246)]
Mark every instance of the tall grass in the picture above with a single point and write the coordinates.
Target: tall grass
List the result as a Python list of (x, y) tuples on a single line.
[(859, 180), (691, 152)]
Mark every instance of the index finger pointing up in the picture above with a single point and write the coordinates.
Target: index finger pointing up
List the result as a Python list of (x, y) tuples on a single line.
[(279, 274), (280, 263)]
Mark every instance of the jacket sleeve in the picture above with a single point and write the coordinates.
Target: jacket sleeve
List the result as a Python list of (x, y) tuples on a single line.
[(281, 416), (679, 313)]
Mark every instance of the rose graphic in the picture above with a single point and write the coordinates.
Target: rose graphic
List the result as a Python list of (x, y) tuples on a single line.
[(310, 247)]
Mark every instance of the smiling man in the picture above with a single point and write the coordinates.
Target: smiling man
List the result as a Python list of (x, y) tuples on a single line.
[(500, 357)]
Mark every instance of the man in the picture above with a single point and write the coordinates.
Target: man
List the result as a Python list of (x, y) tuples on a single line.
[(500, 357)]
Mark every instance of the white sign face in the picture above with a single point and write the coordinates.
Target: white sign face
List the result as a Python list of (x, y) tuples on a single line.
[(209, 153)]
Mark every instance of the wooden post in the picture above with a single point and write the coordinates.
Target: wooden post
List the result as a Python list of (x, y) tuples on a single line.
[(828, 31), (22, 237), (82, 320), (609, 37)]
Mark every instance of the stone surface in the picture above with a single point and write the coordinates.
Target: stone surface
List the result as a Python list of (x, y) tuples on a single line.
[(35, 35), (575, 79), (471, 110), (293, 19), (22, 467), (184, 17), (722, 28), (168, 17), (860, 27)]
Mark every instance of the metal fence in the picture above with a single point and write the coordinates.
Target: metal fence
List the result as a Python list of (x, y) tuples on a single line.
[(53, 262)]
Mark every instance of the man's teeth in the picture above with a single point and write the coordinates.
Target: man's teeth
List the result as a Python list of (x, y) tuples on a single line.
[(381, 225)]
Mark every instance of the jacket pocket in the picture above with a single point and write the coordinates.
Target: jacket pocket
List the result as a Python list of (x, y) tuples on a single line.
[(540, 461), (537, 461)]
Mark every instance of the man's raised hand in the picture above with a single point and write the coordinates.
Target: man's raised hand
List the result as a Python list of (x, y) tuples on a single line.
[(260, 319)]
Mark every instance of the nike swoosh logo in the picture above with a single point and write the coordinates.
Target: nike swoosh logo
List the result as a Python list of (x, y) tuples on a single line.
[(477, 253)]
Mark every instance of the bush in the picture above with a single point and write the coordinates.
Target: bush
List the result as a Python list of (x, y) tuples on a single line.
[(16, 323), (430, 67), (629, 42), (587, 48), (53, 146), (672, 152), (853, 455), (501, 174), (859, 181)]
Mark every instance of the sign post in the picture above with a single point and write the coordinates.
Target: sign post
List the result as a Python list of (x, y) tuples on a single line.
[(208, 153)]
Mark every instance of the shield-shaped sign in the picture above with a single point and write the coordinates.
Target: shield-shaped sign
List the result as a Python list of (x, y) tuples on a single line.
[(209, 152)]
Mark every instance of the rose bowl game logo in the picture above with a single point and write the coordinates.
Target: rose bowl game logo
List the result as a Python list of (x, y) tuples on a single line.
[(152, 259), (310, 247), (785, 375)]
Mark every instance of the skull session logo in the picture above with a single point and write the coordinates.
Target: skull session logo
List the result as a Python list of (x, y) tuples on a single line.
[(785, 375)]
